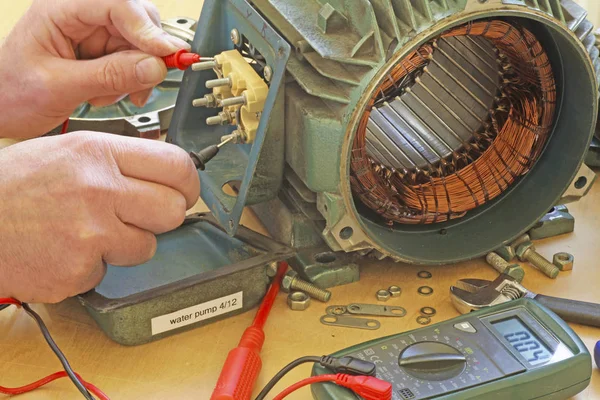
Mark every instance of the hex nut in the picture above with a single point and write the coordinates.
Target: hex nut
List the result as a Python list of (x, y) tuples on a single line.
[(383, 295), (564, 261), (395, 291), (516, 271), (506, 252), (298, 301), (287, 280), (523, 248)]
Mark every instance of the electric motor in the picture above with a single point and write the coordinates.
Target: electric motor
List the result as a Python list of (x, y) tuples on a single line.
[(428, 131)]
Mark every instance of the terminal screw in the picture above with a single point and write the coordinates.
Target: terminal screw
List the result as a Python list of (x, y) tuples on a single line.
[(292, 282), (235, 36), (526, 252)]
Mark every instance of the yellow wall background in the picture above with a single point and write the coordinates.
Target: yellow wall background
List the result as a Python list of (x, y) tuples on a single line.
[(175, 8)]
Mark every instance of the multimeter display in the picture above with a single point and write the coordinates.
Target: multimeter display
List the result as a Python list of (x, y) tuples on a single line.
[(524, 341)]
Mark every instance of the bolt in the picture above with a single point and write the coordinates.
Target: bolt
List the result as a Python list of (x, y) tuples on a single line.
[(233, 101), (272, 269), (292, 282), (213, 83), (507, 252), (208, 100), (504, 267), (268, 73), (205, 65), (235, 36), (223, 118), (235, 137), (521, 239), (526, 252)]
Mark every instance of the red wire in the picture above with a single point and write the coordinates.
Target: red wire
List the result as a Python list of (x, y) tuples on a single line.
[(65, 127), (305, 382), (50, 378), (265, 308), (10, 300)]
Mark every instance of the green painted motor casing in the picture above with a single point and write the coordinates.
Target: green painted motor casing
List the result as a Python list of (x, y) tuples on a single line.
[(548, 383), (341, 50)]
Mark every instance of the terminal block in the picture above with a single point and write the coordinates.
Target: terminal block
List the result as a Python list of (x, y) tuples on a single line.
[(239, 91)]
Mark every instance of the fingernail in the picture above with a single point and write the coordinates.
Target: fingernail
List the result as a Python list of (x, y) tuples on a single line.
[(149, 71), (180, 43)]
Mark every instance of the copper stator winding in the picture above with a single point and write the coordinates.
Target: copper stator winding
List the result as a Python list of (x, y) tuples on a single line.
[(503, 149)]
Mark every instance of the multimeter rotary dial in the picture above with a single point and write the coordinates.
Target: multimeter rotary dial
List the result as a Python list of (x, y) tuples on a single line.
[(432, 361)]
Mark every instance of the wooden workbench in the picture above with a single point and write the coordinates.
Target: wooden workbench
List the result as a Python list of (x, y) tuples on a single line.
[(187, 365)]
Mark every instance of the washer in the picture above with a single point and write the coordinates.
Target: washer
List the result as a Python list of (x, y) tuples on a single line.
[(425, 290)]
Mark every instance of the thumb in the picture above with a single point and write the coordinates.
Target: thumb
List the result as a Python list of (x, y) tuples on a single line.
[(114, 75)]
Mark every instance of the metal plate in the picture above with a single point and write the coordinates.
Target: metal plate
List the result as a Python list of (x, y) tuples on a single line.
[(376, 310), (350, 322)]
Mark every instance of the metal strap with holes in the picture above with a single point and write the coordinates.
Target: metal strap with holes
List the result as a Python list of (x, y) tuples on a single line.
[(350, 322), (376, 310)]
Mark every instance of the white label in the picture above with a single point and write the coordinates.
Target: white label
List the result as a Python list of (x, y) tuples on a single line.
[(197, 313)]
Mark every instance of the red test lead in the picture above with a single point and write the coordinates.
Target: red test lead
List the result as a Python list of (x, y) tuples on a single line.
[(367, 387), (243, 364), (182, 60)]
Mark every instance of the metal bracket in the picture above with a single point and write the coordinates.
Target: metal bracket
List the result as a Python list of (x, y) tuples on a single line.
[(580, 186), (325, 268), (557, 222)]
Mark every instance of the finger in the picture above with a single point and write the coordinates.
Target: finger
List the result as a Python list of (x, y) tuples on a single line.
[(112, 75), (133, 22), (101, 43), (153, 12), (105, 101), (91, 281), (129, 246), (141, 98), (157, 162), (150, 206)]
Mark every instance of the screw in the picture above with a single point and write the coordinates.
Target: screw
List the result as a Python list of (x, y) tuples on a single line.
[(223, 118), (292, 282), (272, 269), (502, 266), (213, 83), (235, 36), (208, 100), (507, 252), (204, 65), (521, 239), (235, 137), (268, 73), (526, 252), (233, 101)]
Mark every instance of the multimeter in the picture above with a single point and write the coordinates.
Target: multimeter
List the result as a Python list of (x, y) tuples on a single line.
[(518, 350)]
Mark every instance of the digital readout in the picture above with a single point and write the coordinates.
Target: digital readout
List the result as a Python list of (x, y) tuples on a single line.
[(524, 341)]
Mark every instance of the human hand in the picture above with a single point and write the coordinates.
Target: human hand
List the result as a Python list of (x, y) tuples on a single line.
[(66, 52), (71, 203)]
